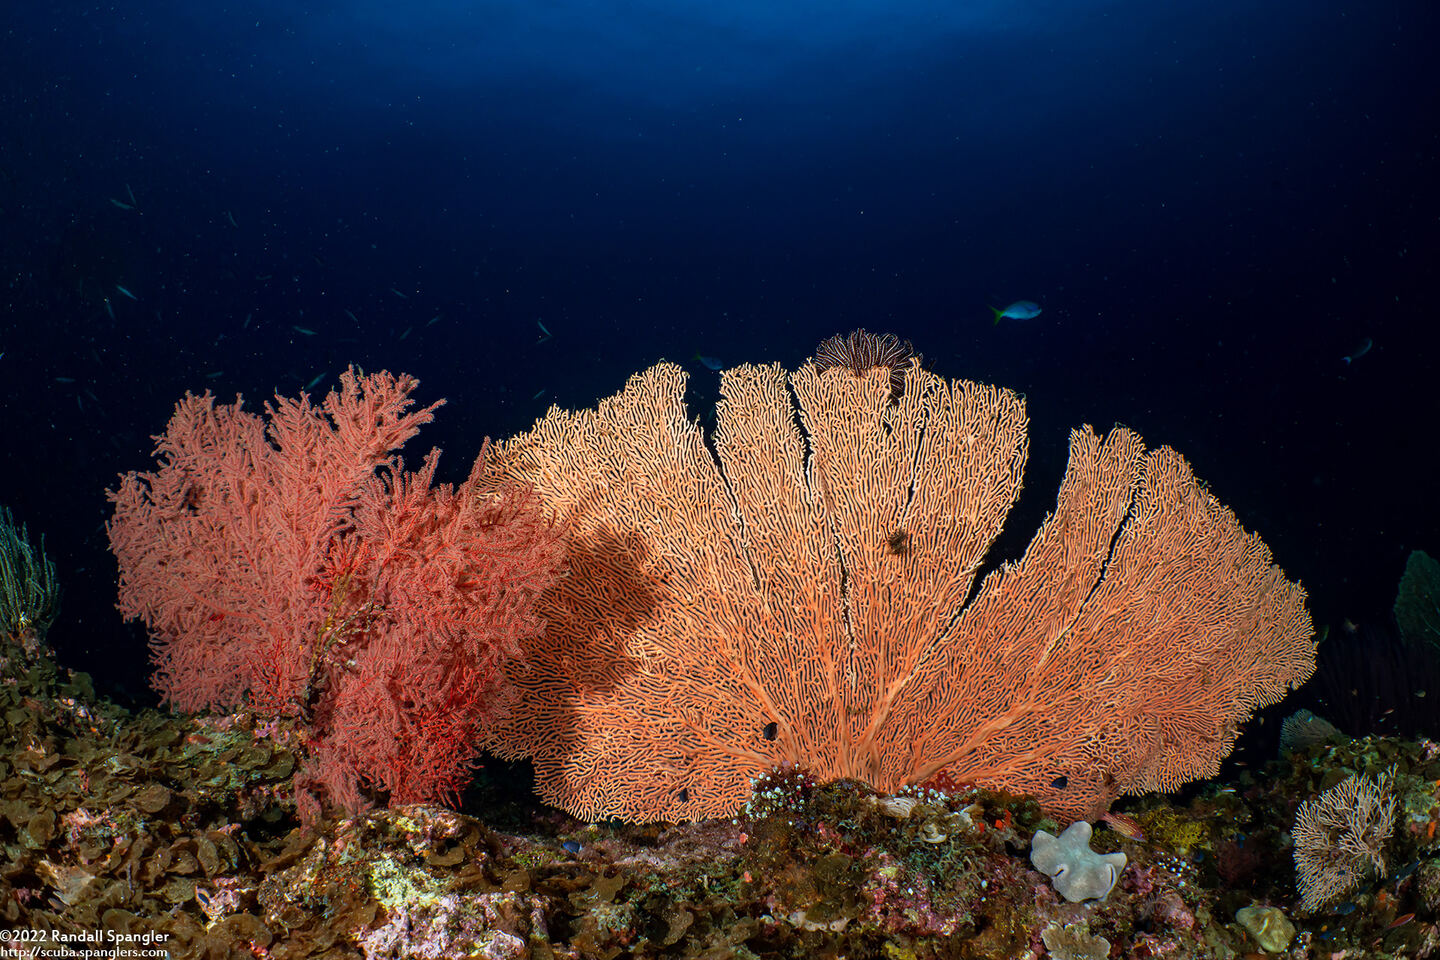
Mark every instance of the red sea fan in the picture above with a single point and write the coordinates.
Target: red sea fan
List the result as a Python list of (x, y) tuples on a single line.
[(452, 577), (288, 560), (221, 545)]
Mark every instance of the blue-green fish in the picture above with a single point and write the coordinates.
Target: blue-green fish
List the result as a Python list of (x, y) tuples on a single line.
[(709, 363), (1019, 310)]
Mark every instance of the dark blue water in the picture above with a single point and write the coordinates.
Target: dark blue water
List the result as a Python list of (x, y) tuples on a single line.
[(1213, 204)]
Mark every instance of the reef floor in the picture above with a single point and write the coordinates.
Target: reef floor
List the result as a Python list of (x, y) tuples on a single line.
[(143, 832)]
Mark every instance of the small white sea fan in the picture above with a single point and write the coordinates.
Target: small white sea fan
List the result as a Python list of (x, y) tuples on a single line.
[(1340, 838)]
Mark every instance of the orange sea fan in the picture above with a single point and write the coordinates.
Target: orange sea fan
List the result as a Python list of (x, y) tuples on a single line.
[(727, 612)]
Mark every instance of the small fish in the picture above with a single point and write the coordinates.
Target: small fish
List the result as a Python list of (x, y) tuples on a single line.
[(571, 846), (318, 377), (126, 292), (131, 194), (109, 309), (214, 374), (538, 395), (1123, 825), (543, 330), (709, 363), (352, 316), (246, 324), (1359, 351), (64, 379), (406, 333), (398, 294), (1401, 920), (122, 204), (1346, 908), (231, 217), (1019, 310), (305, 330), (433, 320)]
